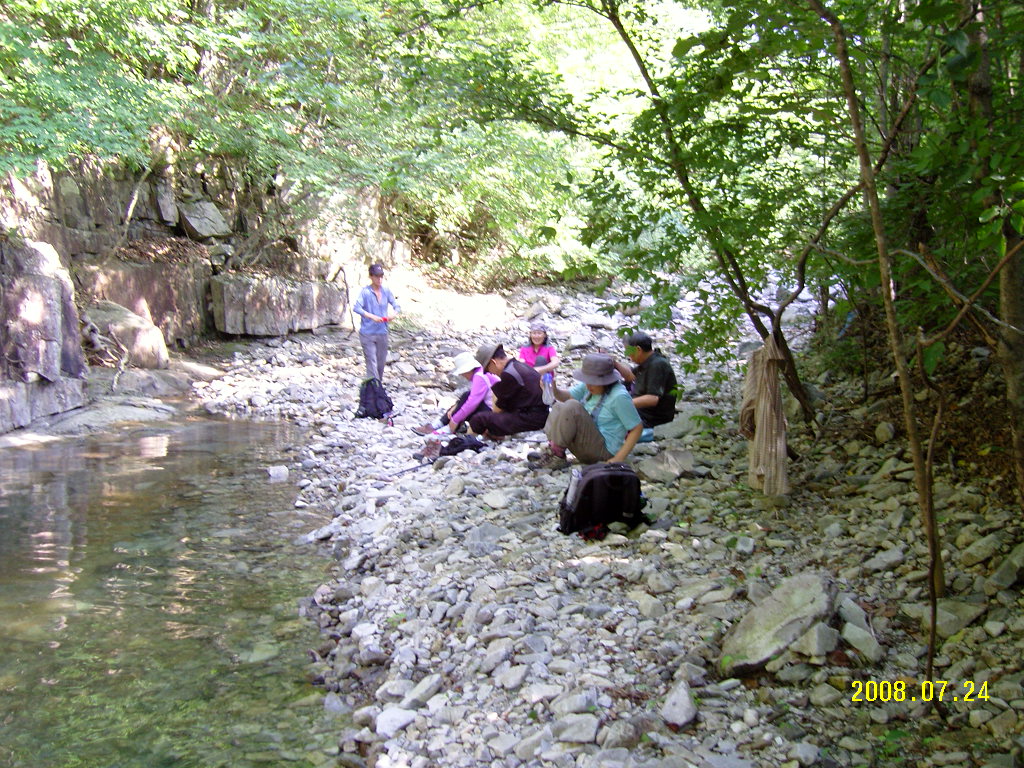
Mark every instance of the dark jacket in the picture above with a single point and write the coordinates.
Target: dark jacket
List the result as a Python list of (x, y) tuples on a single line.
[(654, 376)]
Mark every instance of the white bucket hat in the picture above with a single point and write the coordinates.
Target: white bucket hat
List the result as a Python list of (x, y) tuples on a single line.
[(464, 363)]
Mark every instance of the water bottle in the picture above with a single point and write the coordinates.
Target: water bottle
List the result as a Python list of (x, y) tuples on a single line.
[(547, 388), (574, 481)]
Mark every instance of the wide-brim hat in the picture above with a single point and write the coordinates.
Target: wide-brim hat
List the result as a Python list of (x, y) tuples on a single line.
[(464, 363), (597, 370), (485, 352)]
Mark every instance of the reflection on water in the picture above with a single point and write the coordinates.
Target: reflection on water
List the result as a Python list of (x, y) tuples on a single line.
[(148, 589)]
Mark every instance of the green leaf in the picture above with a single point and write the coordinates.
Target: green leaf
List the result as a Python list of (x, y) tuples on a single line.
[(684, 45), (958, 39), (956, 65), (935, 11), (940, 97), (990, 213), (931, 356)]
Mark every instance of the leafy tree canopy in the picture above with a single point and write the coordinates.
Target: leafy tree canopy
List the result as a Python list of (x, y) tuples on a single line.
[(332, 94)]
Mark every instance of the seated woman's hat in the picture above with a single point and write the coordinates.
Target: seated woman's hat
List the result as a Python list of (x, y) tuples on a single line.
[(464, 363), (597, 370)]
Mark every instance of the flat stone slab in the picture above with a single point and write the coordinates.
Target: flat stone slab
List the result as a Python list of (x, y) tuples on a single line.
[(777, 622)]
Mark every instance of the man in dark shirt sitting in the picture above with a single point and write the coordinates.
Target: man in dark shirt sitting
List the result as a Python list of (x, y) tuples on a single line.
[(652, 382), (518, 400)]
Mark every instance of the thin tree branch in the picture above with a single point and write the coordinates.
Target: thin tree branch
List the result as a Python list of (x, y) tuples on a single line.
[(968, 303), (845, 259)]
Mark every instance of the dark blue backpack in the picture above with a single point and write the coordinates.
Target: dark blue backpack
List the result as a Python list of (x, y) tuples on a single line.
[(374, 402), (600, 494)]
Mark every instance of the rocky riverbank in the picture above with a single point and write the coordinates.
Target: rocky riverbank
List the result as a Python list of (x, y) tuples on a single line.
[(460, 629)]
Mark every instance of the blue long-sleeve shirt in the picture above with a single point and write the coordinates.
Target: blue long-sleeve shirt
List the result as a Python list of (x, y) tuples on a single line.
[(368, 304)]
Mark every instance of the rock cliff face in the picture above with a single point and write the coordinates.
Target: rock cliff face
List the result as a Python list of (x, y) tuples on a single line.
[(170, 295), (42, 368), (273, 306), (153, 245)]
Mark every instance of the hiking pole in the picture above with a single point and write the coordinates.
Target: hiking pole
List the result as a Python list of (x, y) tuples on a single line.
[(413, 468)]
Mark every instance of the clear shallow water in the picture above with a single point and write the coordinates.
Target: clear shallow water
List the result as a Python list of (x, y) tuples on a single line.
[(148, 603)]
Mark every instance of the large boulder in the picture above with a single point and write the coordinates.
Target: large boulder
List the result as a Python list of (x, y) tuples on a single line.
[(950, 615), (274, 306), (202, 220), (777, 622), (142, 340), (42, 366), (1009, 572), (690, 418)]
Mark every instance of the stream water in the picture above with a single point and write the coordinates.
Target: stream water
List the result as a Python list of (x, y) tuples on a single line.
[(149, 584)]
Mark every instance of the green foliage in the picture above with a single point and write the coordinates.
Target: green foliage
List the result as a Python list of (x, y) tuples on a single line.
[(324, 96), (717, 158), (65, 90)]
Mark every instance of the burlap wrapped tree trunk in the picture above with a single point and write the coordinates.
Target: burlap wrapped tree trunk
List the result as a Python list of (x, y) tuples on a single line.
[(763, 422)]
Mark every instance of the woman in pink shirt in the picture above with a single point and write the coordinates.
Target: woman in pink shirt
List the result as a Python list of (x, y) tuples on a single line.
[(475, 399), (542, 356), (539, 353)]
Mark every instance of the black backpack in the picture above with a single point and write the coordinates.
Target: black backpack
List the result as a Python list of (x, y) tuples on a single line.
[(600, 494), (461, 443), (374, 402)]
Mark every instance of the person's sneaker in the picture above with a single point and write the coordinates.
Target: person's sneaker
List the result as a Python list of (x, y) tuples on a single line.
[(547, 389), (431, 450), (550, 461), (424, 430)]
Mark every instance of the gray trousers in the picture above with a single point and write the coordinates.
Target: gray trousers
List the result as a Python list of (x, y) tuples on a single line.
[(570, 426), (375, 353)]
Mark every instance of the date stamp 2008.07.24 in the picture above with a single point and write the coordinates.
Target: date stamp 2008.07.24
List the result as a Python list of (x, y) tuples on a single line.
[(871, 691)]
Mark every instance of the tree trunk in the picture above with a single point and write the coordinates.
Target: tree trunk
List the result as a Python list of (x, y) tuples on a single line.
[(1011, 352), (1010, 349)]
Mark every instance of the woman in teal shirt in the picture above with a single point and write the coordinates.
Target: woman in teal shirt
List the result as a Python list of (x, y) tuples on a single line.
[(595, 419)]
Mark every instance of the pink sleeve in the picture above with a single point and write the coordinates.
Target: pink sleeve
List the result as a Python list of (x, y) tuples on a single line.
[(527, 356), (479, 389)]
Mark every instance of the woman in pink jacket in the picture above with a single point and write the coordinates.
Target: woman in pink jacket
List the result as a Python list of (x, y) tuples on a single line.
[(474, 400)]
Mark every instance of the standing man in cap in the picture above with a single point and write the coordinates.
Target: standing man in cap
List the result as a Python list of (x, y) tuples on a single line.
[(372, 306), (653, 382), (518, 406), (595, 419)]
